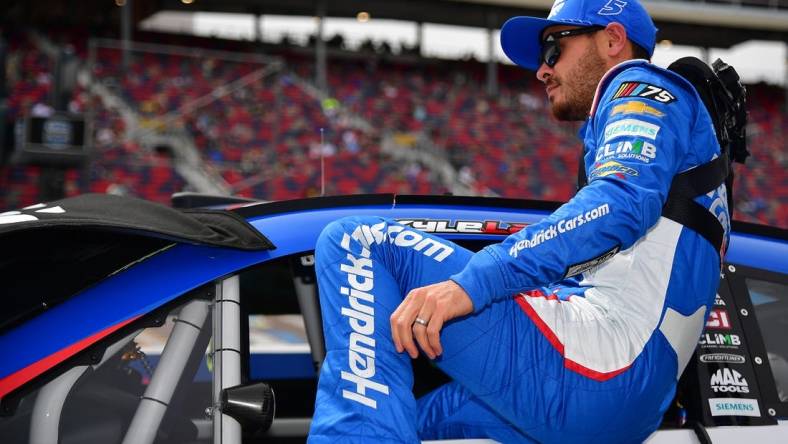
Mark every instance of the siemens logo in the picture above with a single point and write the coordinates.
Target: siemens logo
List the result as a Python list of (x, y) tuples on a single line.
[(734, 407), (631, 127)]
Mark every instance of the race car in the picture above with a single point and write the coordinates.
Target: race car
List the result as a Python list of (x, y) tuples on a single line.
[(128, 321)]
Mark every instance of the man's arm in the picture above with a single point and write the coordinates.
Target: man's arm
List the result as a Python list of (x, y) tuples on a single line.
[(641, 143)]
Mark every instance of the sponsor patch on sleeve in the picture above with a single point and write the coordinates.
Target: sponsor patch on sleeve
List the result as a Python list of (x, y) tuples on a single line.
[(631, 127), (645, 91), (636, 107), (638, 149), (611, 168), (574, 270)]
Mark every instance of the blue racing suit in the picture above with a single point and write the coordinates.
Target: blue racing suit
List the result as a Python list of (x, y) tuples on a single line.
[(582, 323)]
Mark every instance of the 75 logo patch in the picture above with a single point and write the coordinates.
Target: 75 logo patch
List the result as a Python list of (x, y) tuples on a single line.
[(645, 91)]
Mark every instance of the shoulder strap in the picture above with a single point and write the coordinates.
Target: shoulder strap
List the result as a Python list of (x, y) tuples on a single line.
[(701, 179), (680, 206), (696, 217)]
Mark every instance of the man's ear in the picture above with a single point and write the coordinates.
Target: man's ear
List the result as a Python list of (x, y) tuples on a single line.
[(616, 41)]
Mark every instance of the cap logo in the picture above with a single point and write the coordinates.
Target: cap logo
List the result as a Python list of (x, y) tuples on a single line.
[(612, 7), (557, 7)]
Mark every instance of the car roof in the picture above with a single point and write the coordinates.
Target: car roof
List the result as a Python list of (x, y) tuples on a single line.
[(167, 271)]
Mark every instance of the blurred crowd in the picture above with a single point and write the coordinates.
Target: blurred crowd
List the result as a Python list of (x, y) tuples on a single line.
[(269, 136)]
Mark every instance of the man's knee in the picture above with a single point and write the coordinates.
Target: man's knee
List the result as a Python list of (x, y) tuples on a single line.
[(336, 230), (346, 235), (360, 235)]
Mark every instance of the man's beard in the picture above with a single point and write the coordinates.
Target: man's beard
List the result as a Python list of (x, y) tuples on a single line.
[(579, 87)]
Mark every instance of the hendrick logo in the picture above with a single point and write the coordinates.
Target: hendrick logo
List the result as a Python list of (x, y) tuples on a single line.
[(722, 358), (361, 317), (561, 227), (360, 312), (728, 380)]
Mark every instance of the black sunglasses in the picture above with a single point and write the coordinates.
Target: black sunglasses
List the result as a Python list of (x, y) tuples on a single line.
[(551, 50)]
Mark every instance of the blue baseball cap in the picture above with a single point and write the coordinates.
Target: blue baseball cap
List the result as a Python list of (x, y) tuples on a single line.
[(521, 36)]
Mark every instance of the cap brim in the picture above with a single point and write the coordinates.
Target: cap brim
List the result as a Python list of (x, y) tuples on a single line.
[(521, 39)]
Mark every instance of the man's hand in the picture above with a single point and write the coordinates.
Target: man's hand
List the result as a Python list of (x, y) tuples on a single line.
[(422, 314)]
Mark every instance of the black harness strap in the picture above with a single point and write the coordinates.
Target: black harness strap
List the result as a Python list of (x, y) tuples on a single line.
[(701, 179), (680, 206), (694, 216)]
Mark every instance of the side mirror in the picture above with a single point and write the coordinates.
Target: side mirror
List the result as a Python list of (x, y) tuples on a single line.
[(252, 405)]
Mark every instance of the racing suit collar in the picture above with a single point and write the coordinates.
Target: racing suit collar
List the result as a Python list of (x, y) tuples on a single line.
[(603, 82)]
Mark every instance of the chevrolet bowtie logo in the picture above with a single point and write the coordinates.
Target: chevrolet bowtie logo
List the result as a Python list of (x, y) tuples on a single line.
[(636, 107)]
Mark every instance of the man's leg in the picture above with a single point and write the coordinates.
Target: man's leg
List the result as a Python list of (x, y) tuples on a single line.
[(365, 266)]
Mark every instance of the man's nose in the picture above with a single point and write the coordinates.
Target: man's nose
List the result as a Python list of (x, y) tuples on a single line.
[(544, 72)]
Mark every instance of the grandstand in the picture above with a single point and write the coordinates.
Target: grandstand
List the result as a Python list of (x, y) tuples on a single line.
[(276, 121)]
